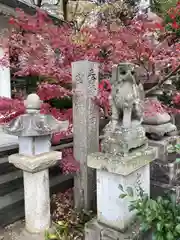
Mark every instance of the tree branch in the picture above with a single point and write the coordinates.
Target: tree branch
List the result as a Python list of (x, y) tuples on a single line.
[(172, 73)]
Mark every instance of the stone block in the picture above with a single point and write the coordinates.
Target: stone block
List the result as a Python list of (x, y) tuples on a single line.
[(166, 172), (122, 165), (36, 163), (37, 201), (163, 146), (113, 171), (112, 210), (97, 231), (30, 236)]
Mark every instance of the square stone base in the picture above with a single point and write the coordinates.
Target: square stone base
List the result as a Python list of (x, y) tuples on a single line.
[(112, 210), (115, 174), (97, 231), (25, 235)]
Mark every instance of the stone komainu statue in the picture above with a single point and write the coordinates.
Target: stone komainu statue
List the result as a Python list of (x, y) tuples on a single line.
[(126, 96), (125, 131)]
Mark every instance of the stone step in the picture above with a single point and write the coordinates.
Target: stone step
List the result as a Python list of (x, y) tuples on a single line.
[(5, 166), (11, 182), (12, 204)]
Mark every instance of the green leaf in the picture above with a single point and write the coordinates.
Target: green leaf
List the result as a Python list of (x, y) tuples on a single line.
[(168, 226), (177, 160), (131, 208), (144, 227), (52, 237), (177, 146), (121, 187), (159, 226), (123, 195), (169, 236), (153, 204), (60, 223), (173, 199), (177, 228), (130, 191), (159, 199)]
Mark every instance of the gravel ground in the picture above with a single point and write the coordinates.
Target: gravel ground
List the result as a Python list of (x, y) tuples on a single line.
[(12, 231)]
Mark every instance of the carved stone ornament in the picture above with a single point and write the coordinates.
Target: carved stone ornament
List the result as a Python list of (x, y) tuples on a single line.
[(33, 123), (125, 131)]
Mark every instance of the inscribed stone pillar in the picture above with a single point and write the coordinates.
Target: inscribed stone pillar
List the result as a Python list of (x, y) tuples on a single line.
[(85, 129)]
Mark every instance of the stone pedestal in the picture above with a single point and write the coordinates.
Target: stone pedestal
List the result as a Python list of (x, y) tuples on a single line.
[(114, 173), (36, 188), (164, 171), (163, 146), (97, 231), (35, 158)]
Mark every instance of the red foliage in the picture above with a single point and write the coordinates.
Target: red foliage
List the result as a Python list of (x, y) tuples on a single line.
[(68, 162), (40, 48), (60, 115), (9, 109), (102, 99), (46, 91), (152, 106), (176, 99)]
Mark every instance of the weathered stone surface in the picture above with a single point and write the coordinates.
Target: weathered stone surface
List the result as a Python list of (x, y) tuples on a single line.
[(36, 163), (30, 146), (112, 210), (166, 172), (85, 129), (29, 236), (35, 125), (122, 140), (163, 146), (161, 130), (37, 201), (156, 119), (125, 131), (122, 165), (96, 231)]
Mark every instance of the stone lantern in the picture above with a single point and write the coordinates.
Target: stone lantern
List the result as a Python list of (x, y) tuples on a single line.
[(35, 157)]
